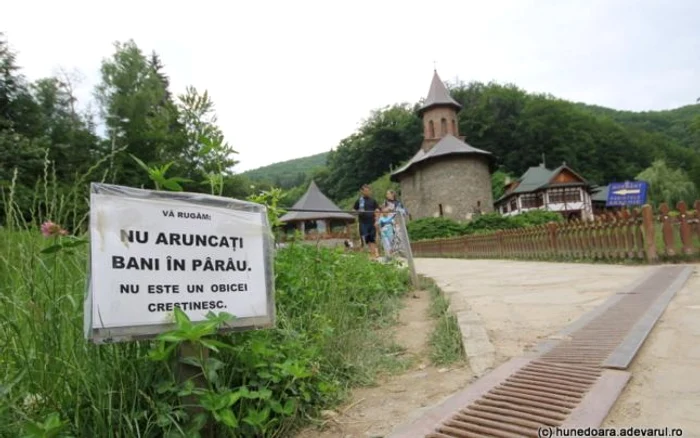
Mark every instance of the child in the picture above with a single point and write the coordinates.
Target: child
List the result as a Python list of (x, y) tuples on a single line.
[(386, 227)]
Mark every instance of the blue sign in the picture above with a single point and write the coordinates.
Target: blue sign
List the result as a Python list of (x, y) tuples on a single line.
[(627, 193)]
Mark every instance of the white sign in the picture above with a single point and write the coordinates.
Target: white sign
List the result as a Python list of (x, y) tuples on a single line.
[(151, 254)]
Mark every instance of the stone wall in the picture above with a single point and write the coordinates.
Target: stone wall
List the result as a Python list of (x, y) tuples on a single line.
[(454, 183)]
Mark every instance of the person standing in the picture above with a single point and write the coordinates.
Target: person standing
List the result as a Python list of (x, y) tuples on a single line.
[(393, 204), (367, 208), (386, 230)]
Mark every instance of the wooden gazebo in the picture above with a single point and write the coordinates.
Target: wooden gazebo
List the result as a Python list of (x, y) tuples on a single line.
[(318, 216)]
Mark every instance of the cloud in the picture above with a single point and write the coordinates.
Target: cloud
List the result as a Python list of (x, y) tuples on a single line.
[(292, 78)]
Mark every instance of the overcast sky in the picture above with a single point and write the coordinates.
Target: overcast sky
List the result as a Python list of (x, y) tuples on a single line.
[(292, 78)]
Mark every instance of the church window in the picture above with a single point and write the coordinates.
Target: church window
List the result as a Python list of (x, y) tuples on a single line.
[(431, 129), (443, 127), (454, 127)]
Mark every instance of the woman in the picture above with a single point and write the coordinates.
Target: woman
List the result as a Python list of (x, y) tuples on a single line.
[(394, 205)]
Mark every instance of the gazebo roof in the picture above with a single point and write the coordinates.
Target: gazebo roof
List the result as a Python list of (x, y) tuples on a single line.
[(314, 199)]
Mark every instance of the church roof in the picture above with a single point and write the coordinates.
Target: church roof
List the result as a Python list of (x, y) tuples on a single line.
[(314, 199), (438, 95), (448, 145)]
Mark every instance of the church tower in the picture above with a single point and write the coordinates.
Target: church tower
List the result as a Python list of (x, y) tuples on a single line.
[(439, 114), (446, 177)]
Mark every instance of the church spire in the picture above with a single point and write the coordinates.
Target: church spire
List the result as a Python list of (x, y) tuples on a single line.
[(438, 95)]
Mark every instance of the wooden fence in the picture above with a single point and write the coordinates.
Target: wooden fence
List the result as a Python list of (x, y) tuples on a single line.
[(624, 235)]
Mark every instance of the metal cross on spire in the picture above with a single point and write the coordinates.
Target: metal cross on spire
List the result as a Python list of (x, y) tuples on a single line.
[(435, 65)]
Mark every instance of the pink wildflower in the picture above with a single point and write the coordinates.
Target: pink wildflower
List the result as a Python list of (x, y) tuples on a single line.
[(49, 229)]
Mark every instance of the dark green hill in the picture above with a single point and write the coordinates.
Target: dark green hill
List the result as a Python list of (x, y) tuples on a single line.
[(290, 173), (677, 124)]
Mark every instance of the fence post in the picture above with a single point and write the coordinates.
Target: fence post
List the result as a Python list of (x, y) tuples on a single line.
[(499, 240), (667, 231), (697, 218), (649, 234), (406, 240), (685, 230), (628, 231), (552, 230)]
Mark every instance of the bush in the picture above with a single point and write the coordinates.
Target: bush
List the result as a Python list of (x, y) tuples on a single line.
[(433, 228), (330, 305)]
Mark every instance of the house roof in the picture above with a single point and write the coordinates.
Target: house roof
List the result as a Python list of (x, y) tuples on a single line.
[(438, 95), (600, 194), (448, 145), (314, 199), (538, 178)]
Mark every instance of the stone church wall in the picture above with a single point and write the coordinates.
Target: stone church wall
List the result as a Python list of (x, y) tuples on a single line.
[(454, 184)]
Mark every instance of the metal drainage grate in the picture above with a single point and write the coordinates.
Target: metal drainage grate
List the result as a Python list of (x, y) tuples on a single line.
[(540, 394), (593, 343), (546, 391)]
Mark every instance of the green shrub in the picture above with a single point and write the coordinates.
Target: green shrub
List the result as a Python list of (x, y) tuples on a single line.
[(433, 228), (492, 222), (440, 227), (540, 217)]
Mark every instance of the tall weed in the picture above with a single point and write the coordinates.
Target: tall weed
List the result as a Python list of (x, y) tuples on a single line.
[(54, 383)]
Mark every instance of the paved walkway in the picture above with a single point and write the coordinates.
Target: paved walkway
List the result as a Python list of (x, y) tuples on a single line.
[(505, 308)]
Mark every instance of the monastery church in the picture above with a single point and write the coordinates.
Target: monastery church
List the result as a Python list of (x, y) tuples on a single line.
[(446, 177)]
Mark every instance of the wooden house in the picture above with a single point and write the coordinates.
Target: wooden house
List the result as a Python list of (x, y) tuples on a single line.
[(560, 190)]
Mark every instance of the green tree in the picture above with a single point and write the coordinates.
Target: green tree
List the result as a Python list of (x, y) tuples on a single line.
[(667, 185), (207, 153), (18, 111), (388, 137), (73, 144), (498, 183), (134, 102)]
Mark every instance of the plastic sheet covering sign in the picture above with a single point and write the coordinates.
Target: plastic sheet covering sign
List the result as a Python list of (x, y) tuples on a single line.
[(152, 252), (627, 193)]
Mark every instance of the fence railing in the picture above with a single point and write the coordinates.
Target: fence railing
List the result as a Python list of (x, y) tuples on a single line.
[(623, 235), (326, 235)]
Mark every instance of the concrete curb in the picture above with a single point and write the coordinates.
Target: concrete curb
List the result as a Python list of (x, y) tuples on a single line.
[(480, 352), (622, 356)]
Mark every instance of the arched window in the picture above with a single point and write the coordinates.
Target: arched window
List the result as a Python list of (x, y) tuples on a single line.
[(443, 127), (454, 127), (431, 129)]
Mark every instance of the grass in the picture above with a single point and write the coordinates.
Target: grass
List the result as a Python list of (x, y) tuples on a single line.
[(332, 311), (677, 244), (446, 347)]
